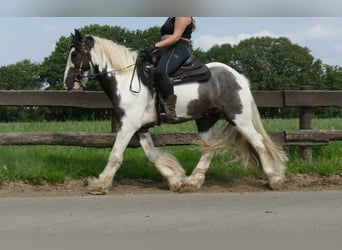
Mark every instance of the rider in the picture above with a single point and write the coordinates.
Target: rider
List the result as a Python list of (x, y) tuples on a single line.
[(174, 50)]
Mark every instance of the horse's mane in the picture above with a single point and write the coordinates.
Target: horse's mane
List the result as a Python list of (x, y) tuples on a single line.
[(119, 56)]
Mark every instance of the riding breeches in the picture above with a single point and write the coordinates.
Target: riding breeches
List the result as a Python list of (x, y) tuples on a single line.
[(171, 58)]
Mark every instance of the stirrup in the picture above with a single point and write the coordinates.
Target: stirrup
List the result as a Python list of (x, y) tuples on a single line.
[(168, 116)]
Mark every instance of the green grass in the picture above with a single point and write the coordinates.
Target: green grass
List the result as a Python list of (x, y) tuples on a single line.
[(54, 164)]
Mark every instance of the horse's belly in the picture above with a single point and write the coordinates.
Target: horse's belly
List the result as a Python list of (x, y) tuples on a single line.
[(185, 94)]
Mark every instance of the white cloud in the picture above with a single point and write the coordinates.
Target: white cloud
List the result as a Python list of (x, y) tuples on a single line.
[(321, 32), (337, 48), (205, 42), (47, 27)]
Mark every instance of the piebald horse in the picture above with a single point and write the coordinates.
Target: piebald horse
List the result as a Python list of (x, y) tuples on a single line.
[(225, 95)]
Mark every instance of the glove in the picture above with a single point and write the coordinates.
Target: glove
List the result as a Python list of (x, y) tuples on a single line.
[(150, 49), (148, 54)]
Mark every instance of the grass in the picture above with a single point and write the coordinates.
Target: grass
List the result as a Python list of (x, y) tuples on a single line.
[(54, 164)]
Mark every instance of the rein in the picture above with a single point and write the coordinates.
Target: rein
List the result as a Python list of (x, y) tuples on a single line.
[(79, 75), (95, 75)]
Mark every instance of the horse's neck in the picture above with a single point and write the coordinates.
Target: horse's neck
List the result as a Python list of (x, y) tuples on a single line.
[(101, 61), (118, 62), (111, 56)]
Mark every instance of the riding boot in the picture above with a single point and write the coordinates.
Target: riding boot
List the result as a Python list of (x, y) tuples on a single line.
[(171, 105)]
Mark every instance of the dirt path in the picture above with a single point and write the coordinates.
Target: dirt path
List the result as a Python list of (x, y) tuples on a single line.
[(77, 187)]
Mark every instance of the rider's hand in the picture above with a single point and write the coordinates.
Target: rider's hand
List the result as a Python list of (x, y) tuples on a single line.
[(151, 49)]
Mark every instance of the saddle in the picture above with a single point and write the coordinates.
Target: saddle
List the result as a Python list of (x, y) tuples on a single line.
[(192, 70)]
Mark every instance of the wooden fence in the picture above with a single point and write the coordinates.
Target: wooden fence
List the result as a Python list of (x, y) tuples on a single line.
[(303, 99)]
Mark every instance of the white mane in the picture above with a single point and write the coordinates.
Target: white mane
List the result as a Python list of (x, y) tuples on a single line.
[(109, 52)]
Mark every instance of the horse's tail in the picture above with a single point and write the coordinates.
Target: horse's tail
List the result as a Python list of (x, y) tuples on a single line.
[(230, 139), (275, 151)]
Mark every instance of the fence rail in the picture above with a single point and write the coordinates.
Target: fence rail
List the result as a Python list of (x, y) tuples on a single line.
[(304, 99), (99, 100), (105, 140)]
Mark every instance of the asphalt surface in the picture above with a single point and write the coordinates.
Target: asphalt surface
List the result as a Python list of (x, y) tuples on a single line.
[(229, 213)]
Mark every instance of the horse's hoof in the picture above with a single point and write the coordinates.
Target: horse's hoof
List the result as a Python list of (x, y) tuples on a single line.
[(97, 192), (95, 188), (188, 188), (176, 186), (276, 183)]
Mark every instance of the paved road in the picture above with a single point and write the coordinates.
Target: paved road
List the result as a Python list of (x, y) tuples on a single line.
[(269, 212)]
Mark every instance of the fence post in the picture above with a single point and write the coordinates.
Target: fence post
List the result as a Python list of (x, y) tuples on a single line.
[(305, 119)]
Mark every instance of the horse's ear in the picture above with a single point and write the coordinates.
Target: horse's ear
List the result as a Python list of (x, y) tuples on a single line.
[(89, 42), (78, 35), (72, 37)]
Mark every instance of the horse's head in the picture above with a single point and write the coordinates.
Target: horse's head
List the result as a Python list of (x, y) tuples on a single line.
[(79, 61)]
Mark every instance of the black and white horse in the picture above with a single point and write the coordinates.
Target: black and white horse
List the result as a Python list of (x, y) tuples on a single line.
[(225, 95)]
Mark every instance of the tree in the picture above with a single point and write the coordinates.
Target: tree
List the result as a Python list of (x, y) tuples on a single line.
[(22, 75), (332, 78), (52, 69), (220, 53), (276, 63)]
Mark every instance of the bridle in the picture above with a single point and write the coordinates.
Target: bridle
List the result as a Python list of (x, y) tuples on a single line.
[(80, 47), (84, 52)]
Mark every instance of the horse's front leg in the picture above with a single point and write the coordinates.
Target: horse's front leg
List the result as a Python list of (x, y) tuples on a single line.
[(208, 145), (167, 164), (197, 177), (103, 183)]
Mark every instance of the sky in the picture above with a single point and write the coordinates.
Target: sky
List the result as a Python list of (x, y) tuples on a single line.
[(34, 38), (29, 29)]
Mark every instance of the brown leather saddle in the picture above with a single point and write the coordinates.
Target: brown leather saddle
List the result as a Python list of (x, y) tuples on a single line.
[(192, 70)]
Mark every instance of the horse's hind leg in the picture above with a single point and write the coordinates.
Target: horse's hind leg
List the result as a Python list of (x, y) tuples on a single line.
[(272, 168), (167, 165)]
